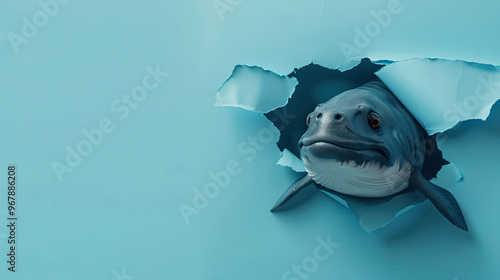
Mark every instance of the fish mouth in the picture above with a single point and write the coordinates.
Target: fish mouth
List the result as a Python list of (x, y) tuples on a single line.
[(326, 148)]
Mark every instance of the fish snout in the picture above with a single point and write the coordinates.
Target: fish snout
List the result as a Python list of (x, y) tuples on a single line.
[(324, 117), (321, 123)]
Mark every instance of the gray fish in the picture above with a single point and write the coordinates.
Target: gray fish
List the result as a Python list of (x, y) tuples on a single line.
[(364, 143)]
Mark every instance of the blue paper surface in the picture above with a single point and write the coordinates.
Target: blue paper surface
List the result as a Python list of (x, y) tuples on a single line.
[(117, 214)]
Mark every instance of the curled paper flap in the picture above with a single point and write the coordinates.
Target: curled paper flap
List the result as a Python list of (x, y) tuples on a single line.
[(441, 93), (255, 89)]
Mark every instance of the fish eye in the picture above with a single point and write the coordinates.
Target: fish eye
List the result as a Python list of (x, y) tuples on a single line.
[(374, 121)]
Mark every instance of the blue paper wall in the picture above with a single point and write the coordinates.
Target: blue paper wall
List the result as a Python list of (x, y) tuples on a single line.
[(69, 68)]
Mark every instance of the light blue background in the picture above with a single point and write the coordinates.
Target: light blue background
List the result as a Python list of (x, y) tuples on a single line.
[(119, 208)]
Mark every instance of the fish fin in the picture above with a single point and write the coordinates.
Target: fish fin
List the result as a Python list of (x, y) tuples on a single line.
[(442, 199), (294, 188)]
